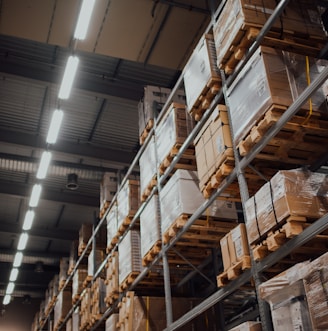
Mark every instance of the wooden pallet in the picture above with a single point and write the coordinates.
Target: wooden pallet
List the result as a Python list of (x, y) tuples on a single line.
[(203, 233), (205, 98), (292, 227), (298, 142), (187, 160), (112, 244), (127, 282), (104, 208), (61, 284), (111, 298), (302, 44), (234, 271), (145, 132), (152, 253), (146, 193), (82, 247), (75, 298), (87, 281)]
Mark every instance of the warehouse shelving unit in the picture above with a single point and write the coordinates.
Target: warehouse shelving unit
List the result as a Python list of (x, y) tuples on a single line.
[(237, 173)]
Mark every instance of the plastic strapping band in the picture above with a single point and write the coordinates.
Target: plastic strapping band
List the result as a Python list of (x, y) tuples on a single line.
[(272, 202), (257, 221)]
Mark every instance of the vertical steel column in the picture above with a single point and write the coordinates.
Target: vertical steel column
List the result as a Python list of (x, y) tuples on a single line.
[(264, 310)]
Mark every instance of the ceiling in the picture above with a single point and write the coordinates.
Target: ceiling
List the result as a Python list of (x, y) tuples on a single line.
[(130, 44)]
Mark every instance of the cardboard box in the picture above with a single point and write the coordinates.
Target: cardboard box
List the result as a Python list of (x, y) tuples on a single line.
[(153, 101), (62, 306), (172, 129), (76, 320), (248, 326), (111, 322), (112, 274), (181, 195), (200, 71), (77, 282), (299, 18), (98, 294), (108, 188), (213, 144), (270, 77), (129, 255), (85, 233), (289, 192), (127, 201), (95, 259), (150, 231), (63, 268), (112, 225)]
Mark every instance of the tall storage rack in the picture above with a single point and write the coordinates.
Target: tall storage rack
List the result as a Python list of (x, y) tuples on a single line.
[(238, 173)]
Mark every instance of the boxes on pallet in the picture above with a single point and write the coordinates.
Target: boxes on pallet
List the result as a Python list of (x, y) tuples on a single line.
[(77, 283), (234, 246), (150, 231), (76, 319), (112, 281), (128, 199), (181, 195), (213, 145), (152, 103), (111, 322), (63, 269), (270, 77), (85, 310), (248, 326), (129, 255), (240, 22), (112, 227), (62, 306), (172, 130), (200, 75), (148, 167), (95, 259), (73, 255), (108, 188), (85, 233), (98, 294), (288, 193)]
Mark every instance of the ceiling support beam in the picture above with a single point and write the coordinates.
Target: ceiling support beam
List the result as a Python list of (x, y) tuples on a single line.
[(87, 150), (24, 190)]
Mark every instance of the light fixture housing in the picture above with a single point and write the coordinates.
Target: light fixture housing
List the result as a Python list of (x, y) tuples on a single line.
[(84, 19), (28, 220), (55, 124), (22, 241), (6, 299), (68, 78), (44, 165), (18, 259), (10, 288), (13, 274), (35, 196)]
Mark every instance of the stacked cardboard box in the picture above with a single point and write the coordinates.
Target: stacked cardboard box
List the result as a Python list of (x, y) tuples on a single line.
[(240, 22), (95, 259), (98, 294), (171, 133), (112, 281), (129, 256), (108, 189), (62, 306), (213, 146), (85, 310), (63, 270), (77, 283), (85, 233), (150, 231), (248, 326), (289, 193), (112, 227), (298, 296), (148, 169), (270, 77), (151, 105), (128, 201), (73, 256), (111, 323), (202, 78), (76, 320)]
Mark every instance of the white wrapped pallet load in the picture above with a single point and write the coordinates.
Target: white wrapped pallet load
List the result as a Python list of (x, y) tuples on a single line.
[(112, 227), (181, 195), (149, 225), (129, 255)]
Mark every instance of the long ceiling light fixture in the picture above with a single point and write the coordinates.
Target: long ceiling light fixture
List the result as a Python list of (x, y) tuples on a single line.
[(55, 124), (10, 288), (18, 259), (84, 19), (35, 196), (22, 241), (44, 165), (13, 275), (28, 220), (68, 78)]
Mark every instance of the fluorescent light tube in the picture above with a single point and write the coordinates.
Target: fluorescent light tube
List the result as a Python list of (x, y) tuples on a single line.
[(69, 75), (13, 275), (56, 120), (10, 288), (44, 165), (18, 259), (35, 196), (84, 19), (6, 299), (28, 220), (22, 241)]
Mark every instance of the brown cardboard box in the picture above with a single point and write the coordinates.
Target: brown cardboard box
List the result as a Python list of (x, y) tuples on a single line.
[(238, 243), (62, 306), (77, 283), (225, 252)]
